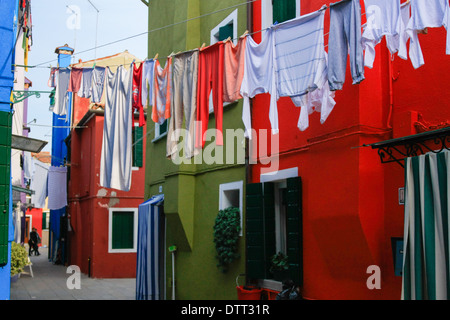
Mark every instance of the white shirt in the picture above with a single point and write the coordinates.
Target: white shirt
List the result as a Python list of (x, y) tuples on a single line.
[(382, 20)]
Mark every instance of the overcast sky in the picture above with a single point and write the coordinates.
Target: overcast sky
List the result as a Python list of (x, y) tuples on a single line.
[(74, 22)]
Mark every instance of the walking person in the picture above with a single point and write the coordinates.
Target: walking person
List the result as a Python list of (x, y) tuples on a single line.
[(34, 241)]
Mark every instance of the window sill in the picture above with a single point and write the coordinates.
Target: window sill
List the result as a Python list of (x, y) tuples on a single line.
[(156, 139), (270, 284)]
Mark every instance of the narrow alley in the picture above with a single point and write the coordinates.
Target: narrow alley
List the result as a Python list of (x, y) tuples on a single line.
[(49, 282)]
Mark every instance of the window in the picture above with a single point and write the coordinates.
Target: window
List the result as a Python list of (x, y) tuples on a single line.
[(278, 11), (227, 28), (161, 130), (274, 224), (138, 146), (230, 195), (122, 230)]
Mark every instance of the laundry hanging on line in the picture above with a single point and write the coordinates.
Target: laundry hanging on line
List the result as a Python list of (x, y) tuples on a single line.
[(245, 69)]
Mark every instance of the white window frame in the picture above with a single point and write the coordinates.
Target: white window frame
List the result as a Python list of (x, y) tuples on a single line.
[(135, 231), (158, 134), (231, 19), (223, 203), (267, 12)]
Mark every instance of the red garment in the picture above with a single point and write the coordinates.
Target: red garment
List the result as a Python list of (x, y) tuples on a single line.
[(75, 79), (210, 77), (137, 101)]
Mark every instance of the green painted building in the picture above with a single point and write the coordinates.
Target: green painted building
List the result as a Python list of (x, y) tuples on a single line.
[(194, 192)]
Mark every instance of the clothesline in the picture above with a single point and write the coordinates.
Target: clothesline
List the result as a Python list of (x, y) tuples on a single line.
[(160, 28)]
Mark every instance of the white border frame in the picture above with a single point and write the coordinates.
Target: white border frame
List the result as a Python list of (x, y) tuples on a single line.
[(135, 231), (267, 12), (232, 17), (237, 185)]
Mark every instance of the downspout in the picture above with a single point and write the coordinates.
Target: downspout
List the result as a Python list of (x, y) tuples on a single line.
[(247, 141)]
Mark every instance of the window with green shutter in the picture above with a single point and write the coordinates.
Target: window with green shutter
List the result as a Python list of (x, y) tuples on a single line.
[(138, 146), (226, 32), (122, 228), (283, 10), (44, 220), (263, 229)]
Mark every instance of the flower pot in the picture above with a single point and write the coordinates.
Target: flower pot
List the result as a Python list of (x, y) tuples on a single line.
[(15, 277)]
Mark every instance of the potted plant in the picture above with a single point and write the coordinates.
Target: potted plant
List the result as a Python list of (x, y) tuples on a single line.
[(279, 266), (226, 235), (19, 259)]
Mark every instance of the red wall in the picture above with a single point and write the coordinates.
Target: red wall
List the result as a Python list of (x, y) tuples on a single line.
[(36, 220), (350, 199), (89, 204)]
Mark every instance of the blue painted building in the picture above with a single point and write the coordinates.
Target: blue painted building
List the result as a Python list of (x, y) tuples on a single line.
[(8, 30), (60, 131)]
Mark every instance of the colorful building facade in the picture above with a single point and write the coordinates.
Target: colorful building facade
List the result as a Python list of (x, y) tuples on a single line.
[(102, 232), (352, 210), (194, 191)]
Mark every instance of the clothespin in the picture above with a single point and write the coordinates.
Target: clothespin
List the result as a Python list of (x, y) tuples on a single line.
[(203, 45), (228, 39), (245, 33), (156, 56)]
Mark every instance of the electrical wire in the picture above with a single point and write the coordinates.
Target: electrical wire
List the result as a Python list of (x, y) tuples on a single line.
[(41, 65), (156, 29)]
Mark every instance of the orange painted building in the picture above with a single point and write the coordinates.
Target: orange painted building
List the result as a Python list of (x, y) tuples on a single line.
[(350, 208)]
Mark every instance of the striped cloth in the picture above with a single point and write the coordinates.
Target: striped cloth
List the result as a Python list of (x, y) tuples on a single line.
[(426, 233), (149, 254)]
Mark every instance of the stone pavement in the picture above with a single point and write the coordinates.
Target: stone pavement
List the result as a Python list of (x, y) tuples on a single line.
[(50, 283)]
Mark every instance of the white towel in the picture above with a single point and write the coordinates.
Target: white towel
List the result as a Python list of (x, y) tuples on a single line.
[(115, 164), (57, 188), (39, 184)]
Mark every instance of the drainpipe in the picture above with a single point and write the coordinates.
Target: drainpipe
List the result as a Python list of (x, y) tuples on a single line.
[(172, 250)]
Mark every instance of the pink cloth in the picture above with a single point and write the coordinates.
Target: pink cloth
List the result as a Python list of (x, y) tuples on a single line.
[(75, 79), (234, 57)]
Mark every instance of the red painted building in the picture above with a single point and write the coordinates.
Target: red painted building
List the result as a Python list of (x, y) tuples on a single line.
[(350, 199), (103, 221)]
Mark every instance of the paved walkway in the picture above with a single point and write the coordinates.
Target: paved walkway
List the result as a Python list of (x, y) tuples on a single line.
[(50, 283)]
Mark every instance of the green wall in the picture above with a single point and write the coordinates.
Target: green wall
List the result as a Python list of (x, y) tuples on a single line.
[(191, 191)]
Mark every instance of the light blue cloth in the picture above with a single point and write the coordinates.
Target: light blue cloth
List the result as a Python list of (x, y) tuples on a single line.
[(97, 85), (147, 82), (57, 188), (299, 50), (39, 184), (86, 83), (345, 37)]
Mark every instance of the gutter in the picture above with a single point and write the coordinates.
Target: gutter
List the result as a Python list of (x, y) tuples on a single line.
[(146, 2)]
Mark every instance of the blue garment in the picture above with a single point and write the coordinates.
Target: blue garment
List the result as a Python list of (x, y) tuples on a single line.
[(149, 250), (98, 81), (345, 36)]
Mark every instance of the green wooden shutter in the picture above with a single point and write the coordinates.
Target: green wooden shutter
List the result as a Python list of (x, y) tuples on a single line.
[(254, 231), (44, 220), (5, 179), (123, 230), (283, 10), (225, 32), (269, 224), (138, 146), (294, 228), (260, 229), (163, 127)]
